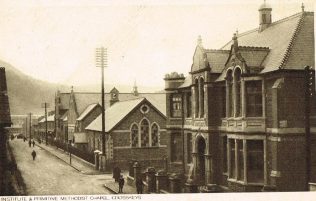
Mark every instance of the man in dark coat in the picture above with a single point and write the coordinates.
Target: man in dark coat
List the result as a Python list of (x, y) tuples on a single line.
[(116, 173), (30, 143), (121, 184), (33, 155), (139, 185), (33, 143)]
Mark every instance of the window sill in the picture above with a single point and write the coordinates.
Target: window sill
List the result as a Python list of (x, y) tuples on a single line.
[(145, 147), (244, 183)]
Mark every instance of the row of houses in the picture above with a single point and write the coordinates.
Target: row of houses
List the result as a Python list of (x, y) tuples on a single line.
[(237, 122)]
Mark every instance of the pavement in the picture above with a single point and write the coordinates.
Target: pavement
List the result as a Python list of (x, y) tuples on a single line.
[(113, 187), (76, 162)]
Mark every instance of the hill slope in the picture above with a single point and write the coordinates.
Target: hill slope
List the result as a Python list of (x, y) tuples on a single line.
[(26, 94)]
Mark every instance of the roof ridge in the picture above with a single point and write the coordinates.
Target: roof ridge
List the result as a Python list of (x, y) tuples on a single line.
[(254, 47), (131, 99), (215, 50), (294, 36)]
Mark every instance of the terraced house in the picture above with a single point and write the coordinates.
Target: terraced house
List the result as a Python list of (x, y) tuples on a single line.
[(237, 121)]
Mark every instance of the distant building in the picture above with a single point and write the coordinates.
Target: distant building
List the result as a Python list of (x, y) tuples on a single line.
[(236, 123)]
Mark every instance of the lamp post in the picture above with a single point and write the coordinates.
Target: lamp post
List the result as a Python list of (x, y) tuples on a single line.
[(101, 62)]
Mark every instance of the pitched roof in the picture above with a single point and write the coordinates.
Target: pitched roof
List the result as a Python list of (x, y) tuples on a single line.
[(83, 99), (216, 59), (187, 82), (290, 40), (114, 114), (49, 119), (87, 111)]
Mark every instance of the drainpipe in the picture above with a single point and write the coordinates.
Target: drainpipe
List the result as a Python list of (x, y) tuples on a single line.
[(182, 130)]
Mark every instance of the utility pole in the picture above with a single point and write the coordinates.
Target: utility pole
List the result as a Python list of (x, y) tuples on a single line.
[(45, 105), (309, 76), (30, 114), (101, 61)]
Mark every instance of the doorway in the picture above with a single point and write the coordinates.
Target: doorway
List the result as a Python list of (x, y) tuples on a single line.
[(201, 160)]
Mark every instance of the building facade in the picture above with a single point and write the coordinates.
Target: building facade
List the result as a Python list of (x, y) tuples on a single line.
[(135, 131), (237, 121)]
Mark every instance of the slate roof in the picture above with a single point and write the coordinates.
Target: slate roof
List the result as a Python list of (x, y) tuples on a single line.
[(87, 111), (114, 114), (290, 40), (187, 82), (5, 118), (216, 59)]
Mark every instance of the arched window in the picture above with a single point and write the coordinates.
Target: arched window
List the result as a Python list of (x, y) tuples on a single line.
[(201, 97), (229, 93), (237, 82), (154, 135), (196, 98), (134, 135), (144, 133)]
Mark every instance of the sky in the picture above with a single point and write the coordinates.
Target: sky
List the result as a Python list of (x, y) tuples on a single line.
[(56, 40)]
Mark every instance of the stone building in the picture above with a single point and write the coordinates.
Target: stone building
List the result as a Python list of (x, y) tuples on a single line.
[(237, 121), (135, 130)]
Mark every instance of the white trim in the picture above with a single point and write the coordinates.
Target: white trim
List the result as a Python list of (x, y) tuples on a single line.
[(289, 130), (246, 137), (121, 131)]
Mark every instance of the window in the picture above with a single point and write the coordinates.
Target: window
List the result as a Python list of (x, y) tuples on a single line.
[(237, 81), (189, 104), (254, 160), (176, 106), (240, 155), (264, 16), (134, 136), (144, 133), (254, 98), (224, 154), (154, 135), (223, 111), (255, 164), (232, 159), (189, 147), (176, 147), (196, 98), (229, 91), (201, 98)]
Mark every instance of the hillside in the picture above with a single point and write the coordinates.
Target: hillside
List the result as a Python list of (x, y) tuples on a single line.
[(26, 94)]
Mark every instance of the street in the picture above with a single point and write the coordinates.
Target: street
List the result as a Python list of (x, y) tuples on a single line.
[(48, 175)]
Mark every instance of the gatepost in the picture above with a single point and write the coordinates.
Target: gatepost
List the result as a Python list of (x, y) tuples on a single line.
[(96, 159), (161, 180), (175, 186)]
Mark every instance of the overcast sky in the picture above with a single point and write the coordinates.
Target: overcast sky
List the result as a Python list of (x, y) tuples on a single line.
[(56, 40)]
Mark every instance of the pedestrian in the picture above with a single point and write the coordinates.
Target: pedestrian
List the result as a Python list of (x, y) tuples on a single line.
[(30, 143), (33, 143), (116, 173), (24, 139), (33, 155), (139, 185), (121, 184)]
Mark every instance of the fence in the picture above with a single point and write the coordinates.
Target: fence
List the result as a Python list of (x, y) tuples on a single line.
[(75, 151)]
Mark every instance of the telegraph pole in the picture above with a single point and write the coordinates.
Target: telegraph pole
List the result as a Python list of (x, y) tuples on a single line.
[(101, 61), (309, 76), (45, 105)]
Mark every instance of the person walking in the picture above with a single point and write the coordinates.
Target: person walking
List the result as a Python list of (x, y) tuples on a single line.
[(139, 186), (116, 173), (33, 155), (33, 143), (121, 184), (30, 143)]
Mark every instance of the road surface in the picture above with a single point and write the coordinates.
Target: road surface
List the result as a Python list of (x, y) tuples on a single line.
[(48, 175)]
